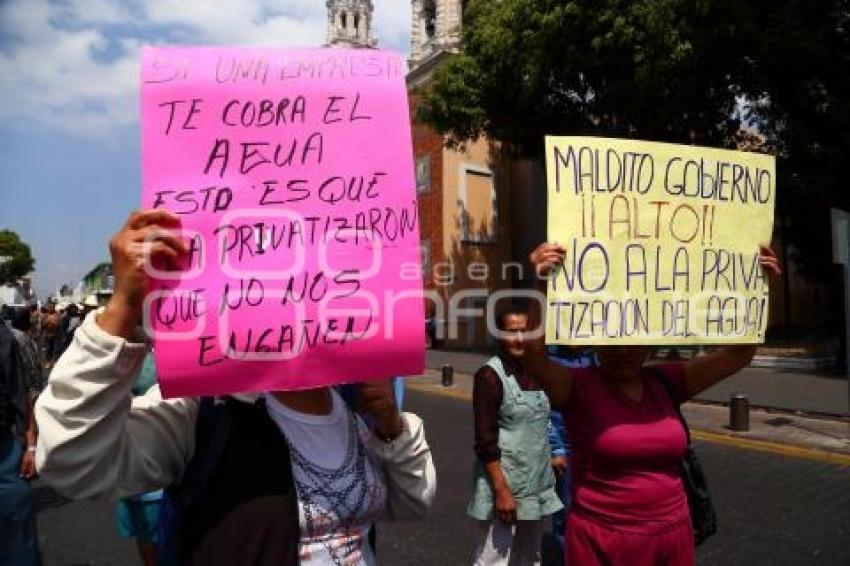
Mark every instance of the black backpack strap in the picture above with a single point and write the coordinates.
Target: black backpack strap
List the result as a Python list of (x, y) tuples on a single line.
[(661, 377), (212, 430), (703, 514)]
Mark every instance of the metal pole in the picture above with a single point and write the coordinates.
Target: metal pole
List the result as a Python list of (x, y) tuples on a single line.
[(739, 413), (448, 375), (845, 279), (840, 221)]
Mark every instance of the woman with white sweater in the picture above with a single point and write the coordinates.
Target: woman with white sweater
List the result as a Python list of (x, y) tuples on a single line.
[(290, 477)]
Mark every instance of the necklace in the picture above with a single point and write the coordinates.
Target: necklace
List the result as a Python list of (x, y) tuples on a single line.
[(341, 495)]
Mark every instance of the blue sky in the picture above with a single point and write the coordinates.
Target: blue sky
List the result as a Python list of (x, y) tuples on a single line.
[(69, 147)]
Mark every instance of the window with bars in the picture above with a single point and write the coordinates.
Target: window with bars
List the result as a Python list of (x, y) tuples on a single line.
[(423, 174)]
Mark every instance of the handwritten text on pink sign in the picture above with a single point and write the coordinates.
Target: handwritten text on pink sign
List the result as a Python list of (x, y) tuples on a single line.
[(291, 171)]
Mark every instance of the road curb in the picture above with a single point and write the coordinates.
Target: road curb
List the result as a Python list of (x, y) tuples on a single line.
[(778, 410), (789, 450)]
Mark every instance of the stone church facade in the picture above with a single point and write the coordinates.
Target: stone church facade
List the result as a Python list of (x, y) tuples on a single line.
[(474, 205)]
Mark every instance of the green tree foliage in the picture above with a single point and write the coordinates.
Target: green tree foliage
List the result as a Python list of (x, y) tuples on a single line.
[(656, 69), (15, 257), (801, 87), (684, 71)]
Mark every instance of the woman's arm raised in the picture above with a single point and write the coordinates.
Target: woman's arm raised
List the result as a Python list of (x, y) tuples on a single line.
[(94, 439), (704, 371), (554, 378)]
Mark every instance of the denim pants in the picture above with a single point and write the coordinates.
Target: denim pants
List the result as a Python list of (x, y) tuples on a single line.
[(18, 538), (559, 519)]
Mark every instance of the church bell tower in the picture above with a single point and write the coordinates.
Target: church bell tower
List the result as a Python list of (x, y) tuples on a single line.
[(350, 23), (435, 29)]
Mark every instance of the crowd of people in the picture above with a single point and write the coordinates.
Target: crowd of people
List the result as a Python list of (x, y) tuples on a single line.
[(592, 438), (31, 340), (50, 328)]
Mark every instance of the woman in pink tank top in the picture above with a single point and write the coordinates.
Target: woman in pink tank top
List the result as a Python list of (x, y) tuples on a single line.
[(629, 504)]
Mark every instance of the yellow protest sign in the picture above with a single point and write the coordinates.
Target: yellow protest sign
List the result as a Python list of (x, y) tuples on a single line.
[(662, 242)]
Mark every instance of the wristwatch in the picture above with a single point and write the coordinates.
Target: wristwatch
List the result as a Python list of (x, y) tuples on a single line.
[(31, 449)]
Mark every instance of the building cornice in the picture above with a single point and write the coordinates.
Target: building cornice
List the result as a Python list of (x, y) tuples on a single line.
[(421, 73)]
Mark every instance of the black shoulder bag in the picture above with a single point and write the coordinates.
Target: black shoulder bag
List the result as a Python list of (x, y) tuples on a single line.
[(703, 515)]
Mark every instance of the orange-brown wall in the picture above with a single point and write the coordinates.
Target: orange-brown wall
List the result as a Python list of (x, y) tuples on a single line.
[(427, 142)]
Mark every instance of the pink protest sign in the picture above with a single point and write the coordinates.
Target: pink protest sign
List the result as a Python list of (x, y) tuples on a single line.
[(292, 173)]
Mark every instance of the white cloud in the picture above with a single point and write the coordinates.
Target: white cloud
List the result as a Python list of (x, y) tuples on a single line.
[(72, 65), (392, 24), (87, 12)]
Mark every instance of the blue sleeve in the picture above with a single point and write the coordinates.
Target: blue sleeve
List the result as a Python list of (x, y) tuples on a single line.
[(398, 387), (558, 439), (555, 441), (147, 376), (568, 446)]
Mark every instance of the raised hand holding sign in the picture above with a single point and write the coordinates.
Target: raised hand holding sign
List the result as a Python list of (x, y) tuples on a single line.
[(291, 174), (660, 242)]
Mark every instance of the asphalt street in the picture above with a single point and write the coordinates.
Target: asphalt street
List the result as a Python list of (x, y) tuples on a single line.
[(773, 509)]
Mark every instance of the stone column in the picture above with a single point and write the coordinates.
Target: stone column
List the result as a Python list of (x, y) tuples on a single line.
[(331, 26), (338, 29), (455, 20), (415, 30), (440, 24), (448, 23)]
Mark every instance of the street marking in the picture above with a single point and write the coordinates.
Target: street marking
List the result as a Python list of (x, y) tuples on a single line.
[(452, 392), (789, 450)]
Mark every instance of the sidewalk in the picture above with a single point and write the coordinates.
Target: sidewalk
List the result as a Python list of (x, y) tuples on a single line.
[(766, 387), (823, 439)]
